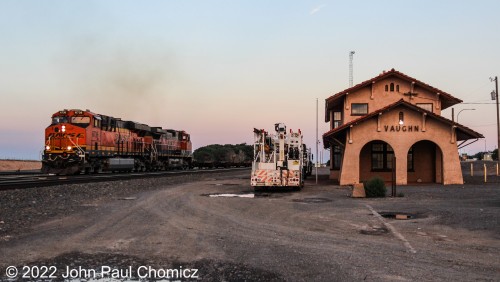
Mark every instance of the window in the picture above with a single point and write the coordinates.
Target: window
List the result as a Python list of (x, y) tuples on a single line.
[(359, 109), (397, 88), (97, 122), (337, 119), (57, 120), (337, 154), (84, 120), (425, 106), (80, 121), (410, 160), (386, 88), (392, 87), (382, 157)]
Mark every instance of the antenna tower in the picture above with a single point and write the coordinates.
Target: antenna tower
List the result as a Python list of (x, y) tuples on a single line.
[(351, 55)]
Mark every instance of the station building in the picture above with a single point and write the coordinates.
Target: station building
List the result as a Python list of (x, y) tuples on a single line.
[(393, 122)]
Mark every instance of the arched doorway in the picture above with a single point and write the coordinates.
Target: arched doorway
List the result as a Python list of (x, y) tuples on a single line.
[(376, 158), (425, 163)]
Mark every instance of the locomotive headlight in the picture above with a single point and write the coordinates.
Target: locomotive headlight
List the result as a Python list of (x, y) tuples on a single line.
[(63, 128), (69, 148), (47, 147)]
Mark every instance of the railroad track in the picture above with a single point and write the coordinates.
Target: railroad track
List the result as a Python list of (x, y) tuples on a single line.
[(21, 181)]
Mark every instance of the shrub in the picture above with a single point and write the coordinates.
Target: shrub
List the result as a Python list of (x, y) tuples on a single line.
[(375, 187)]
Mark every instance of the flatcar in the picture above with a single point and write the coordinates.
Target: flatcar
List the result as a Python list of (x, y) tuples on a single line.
[(82, 141)]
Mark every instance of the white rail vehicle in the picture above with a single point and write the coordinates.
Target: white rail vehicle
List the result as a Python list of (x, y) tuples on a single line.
[(278, 158)]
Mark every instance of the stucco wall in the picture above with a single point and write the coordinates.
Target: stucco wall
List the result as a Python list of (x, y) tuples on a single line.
[(400, 141), (380, 98)]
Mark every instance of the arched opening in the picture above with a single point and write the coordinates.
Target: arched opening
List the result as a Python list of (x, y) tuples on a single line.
[(376, 159), (425, 163), (392, 87)]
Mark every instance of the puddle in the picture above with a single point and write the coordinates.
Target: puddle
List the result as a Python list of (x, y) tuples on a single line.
[(128, 198), (312, 200), (401, 215), (226, 184), (251, 195), (240, 195)]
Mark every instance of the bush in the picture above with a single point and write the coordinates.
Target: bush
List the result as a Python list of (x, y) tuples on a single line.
[(375, 187)]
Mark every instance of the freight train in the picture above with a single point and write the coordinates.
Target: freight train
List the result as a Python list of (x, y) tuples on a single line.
[(215, 156), (83, 141)]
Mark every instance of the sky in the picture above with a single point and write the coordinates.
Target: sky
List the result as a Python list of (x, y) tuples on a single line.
[(217, 69)]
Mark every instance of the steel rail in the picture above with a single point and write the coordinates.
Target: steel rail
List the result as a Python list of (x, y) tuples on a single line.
[(39, 180)]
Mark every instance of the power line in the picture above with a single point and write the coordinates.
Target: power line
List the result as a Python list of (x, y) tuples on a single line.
[(472, 103), (482, 125)]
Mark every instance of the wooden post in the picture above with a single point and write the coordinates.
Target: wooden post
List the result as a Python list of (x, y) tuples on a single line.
[(497, 169), (485, 173), (471, 169)]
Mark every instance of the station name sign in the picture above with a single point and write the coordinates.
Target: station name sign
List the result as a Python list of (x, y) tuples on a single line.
[(403, 128)]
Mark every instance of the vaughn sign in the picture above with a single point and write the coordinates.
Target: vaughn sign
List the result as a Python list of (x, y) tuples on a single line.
[(403, 128)]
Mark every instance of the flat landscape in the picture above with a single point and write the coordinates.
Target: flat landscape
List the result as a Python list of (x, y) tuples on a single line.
[(316, 234), (13, 165)]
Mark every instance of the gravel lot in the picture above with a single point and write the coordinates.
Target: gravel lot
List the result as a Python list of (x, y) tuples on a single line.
[(316, 234)]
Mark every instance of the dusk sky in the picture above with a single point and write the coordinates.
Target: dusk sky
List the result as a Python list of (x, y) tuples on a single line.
[(217, 69)]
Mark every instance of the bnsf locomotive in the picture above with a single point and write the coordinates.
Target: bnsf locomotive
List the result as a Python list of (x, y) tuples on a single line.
[(82, 141)]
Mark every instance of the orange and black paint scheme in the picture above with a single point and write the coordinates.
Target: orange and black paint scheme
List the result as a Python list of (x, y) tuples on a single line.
[(82, 141)]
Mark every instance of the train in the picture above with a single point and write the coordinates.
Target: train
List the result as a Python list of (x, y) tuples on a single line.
[(80, 141), (228, 155), (307, 161), (281, 159)]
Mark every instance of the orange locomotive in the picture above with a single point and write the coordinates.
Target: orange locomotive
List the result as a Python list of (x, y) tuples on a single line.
[(82, 141)]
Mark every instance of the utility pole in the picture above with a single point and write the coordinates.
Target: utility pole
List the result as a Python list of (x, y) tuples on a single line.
[(498, 116), (317, 141)]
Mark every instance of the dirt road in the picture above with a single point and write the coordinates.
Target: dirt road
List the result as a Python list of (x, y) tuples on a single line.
[(317, 234)]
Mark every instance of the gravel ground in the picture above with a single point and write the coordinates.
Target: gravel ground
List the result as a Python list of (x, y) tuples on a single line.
[(316, 234), (478, 172), (211, 270), (20, 209)]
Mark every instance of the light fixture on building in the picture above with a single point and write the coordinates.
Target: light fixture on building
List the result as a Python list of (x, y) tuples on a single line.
[(493, 95), (401, 122)]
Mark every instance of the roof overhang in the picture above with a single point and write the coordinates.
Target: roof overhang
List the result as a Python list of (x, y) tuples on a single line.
[(462, 132)]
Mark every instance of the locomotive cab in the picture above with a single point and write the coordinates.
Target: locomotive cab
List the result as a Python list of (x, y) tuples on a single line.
[(65, 142)]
